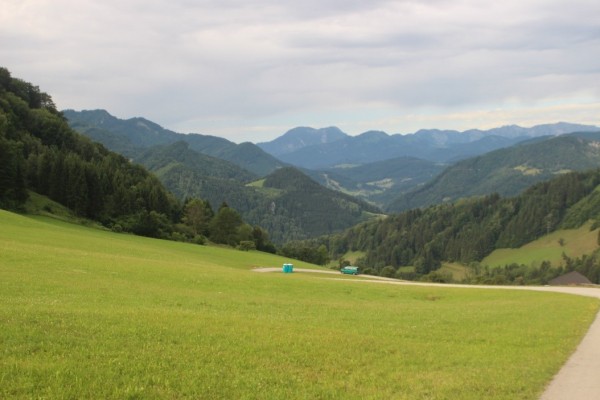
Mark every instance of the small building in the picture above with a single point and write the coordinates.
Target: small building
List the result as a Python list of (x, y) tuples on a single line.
[(570, 278)]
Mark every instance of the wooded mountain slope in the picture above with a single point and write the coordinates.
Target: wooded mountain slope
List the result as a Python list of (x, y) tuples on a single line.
[(506, 171), (469, 230), (298, 207), (39, 152)]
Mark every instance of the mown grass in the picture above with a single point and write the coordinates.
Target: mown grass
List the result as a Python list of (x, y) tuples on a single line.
[(572, 242), (92, 314)]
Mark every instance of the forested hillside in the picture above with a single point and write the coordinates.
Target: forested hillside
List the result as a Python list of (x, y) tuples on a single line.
[(40, 153), (507, 171), (469, 230), (292, 207), (188, 173)]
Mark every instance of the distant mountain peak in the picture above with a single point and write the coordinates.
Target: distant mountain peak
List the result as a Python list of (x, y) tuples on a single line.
[(373, 135), (301, 137)]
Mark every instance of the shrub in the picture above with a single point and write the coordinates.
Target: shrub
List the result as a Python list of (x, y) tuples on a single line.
[(246, 245)]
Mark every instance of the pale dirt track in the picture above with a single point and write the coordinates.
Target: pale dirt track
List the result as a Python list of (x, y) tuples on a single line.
[(578, 379)]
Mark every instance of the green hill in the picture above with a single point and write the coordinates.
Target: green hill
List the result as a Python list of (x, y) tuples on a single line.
[(552, 248), (288, 204), (299, 208), (40, 153), (88, 313), (507, 171), (469, 230), (187, 173)]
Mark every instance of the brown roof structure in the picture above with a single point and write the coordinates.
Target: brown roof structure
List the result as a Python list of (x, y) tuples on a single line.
[(570, 278)]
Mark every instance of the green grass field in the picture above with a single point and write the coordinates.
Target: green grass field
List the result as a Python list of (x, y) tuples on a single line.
[(87, 313), (576, 242)]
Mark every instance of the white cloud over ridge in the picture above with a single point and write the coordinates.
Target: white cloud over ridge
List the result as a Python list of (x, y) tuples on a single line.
[(250, 71)]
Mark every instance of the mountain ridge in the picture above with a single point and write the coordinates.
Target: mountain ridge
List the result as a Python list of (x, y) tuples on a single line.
[(300, 137), (131, 136), (507, 171), (428, 144)]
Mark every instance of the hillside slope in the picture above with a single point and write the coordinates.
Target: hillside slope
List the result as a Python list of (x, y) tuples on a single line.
[(39, 152), (298, 207), (469, 230), (507, 171)]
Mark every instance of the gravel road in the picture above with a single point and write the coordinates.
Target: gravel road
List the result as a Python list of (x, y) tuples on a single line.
[(578, 379)]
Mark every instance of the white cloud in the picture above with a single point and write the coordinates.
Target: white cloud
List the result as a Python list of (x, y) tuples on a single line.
[(246, 70)]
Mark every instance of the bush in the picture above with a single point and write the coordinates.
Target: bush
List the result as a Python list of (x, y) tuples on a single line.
[(406, 275), (199, 239), (178, 237), (246, 245), (438, 277)]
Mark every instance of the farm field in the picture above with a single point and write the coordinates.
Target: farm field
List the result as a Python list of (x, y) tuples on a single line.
[(87, 313)]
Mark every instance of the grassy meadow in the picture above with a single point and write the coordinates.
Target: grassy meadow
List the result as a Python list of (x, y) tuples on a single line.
[(87, 313), (572, 242)]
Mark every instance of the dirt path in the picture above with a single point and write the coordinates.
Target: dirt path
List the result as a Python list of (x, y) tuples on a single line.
[(318, 271), (578, 379)]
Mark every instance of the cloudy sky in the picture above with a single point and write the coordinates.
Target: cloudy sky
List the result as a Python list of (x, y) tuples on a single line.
[(251, 70)]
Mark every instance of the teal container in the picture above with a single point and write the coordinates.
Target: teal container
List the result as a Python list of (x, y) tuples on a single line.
[(288, 268)]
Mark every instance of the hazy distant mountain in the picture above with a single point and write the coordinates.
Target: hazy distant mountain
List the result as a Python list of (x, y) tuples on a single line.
[(507, 171), (300, 137), (379, 182), (433, 145), (132, 136)]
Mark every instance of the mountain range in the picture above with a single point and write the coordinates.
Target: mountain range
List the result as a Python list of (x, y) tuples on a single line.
[(506, 171), (42, 154), (199, 166), (380, 168), (395, 172), (439, 146)]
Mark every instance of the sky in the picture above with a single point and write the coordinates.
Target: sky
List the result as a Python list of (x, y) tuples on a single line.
[(251, 70)]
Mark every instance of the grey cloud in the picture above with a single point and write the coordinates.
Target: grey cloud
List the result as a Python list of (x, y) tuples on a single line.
[(198, 64)]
